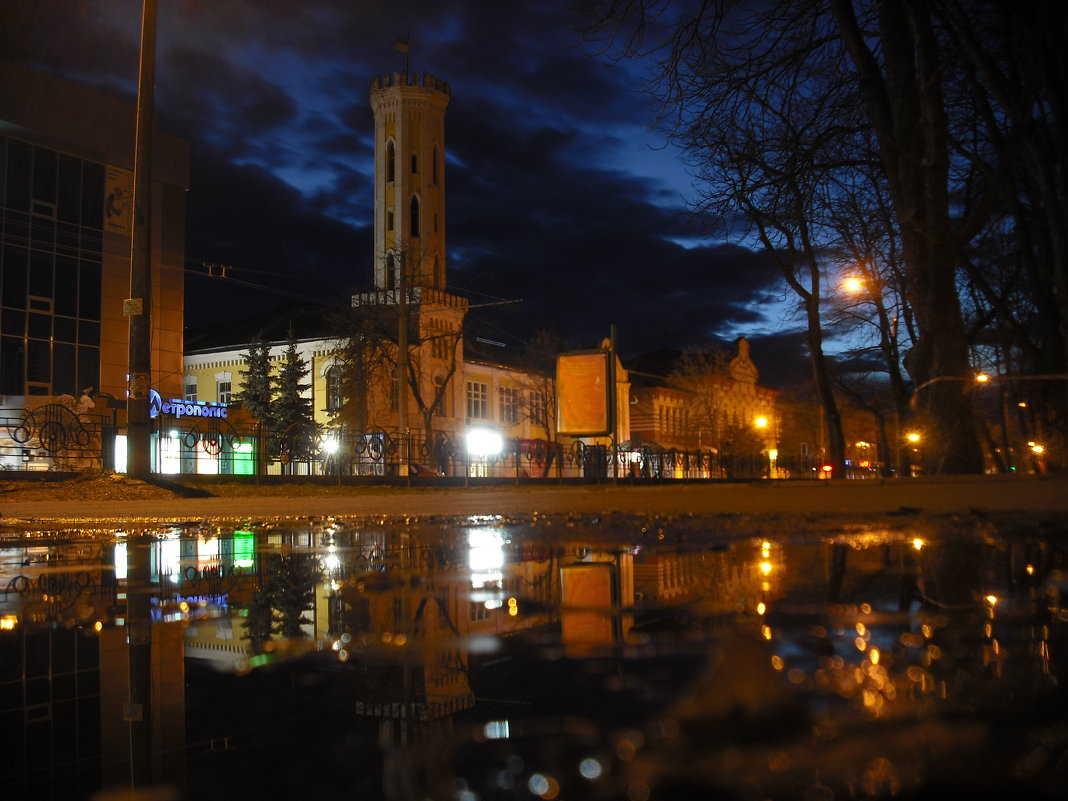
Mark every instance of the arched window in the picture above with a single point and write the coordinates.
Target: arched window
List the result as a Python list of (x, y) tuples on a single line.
[(334, 396), (391, 272), (391, 162), (224, 387), (414, 222)]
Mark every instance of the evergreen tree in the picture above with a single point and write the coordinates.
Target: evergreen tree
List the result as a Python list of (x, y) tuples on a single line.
[(256, 395), (259, 622), (292, 592), (278, 607), (290, 404)]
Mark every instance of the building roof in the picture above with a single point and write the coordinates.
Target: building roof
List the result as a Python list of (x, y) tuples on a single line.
[(652, 369), (314, 321), (308, 321), (483, 350)]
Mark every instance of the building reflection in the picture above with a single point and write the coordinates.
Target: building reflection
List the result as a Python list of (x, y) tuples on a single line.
[(759, 662)]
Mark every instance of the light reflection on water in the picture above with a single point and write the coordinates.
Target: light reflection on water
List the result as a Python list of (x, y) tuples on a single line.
[(547, 658)]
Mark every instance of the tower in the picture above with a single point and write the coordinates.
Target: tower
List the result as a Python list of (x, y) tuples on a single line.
[(409, 114), (409, 241)]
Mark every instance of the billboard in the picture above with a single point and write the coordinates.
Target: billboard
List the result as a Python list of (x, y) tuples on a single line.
[(582, 392)]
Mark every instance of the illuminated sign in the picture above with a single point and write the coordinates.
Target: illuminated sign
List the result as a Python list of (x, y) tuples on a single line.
[(244, 548), (178, 408), (582, 393)]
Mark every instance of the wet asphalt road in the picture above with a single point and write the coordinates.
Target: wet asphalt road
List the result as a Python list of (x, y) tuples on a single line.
[(1025, 495)]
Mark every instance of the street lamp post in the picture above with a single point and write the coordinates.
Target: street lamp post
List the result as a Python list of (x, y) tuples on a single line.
[(887, 326), (138, 307), (402, 368)]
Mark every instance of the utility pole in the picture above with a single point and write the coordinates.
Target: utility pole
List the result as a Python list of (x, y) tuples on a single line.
[(402, 365), (138, 307), (613, 411)]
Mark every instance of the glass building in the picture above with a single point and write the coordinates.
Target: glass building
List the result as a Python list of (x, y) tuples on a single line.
[(66, 203)]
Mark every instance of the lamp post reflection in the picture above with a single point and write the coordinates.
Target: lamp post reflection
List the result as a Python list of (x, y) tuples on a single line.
[(137, 712)]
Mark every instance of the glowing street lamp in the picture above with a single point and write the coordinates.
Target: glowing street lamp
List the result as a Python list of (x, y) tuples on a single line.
[(853, 285), (484, 442)]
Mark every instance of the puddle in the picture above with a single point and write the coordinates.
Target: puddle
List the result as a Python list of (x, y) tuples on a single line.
[(551, 657)]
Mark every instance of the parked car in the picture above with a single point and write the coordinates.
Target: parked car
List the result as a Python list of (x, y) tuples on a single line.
[(423, 471)]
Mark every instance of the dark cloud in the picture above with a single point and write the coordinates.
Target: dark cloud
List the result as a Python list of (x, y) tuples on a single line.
[(555, 195), (783, 361), (207, 97), (264, 231)]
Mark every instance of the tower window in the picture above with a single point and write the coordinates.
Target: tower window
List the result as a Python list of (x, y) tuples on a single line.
[(391, 272), (391, 162), (415, 164), (389, 220), (334, 398), (415, 217), (434, 166)]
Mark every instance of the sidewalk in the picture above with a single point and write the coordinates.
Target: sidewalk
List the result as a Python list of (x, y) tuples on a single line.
[(1046, 496)]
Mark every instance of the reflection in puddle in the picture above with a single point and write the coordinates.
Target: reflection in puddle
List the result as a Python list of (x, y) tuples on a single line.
[(549, 658)]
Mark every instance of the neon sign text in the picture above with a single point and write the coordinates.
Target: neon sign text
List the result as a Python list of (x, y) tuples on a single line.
[(180, 408)]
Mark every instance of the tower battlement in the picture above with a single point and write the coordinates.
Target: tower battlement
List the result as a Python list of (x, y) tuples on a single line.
[(422, 79)]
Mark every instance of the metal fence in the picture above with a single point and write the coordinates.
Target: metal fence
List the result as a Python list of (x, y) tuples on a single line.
[(55, 437)]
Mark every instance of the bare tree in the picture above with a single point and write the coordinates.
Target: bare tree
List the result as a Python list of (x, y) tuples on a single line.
[(538, 397), (701, 371), (894, 50), (403, 324), (954, 107)]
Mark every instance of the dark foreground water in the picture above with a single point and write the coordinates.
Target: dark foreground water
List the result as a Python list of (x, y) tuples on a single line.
[(554, 658)]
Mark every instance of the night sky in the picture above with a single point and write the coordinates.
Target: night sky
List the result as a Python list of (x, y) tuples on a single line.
[(559, 191)]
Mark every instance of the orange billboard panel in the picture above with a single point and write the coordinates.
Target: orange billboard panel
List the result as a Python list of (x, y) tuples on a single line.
[(582, 393), (586, 606)]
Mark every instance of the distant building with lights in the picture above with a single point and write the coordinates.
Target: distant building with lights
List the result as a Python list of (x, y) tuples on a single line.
[(702, 406), (455, 382), (460, 382)]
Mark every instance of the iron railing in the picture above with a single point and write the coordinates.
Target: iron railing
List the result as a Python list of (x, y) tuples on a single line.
[(55, 437)]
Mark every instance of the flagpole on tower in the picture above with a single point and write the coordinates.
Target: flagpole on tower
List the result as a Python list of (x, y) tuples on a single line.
[(403, 47)]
